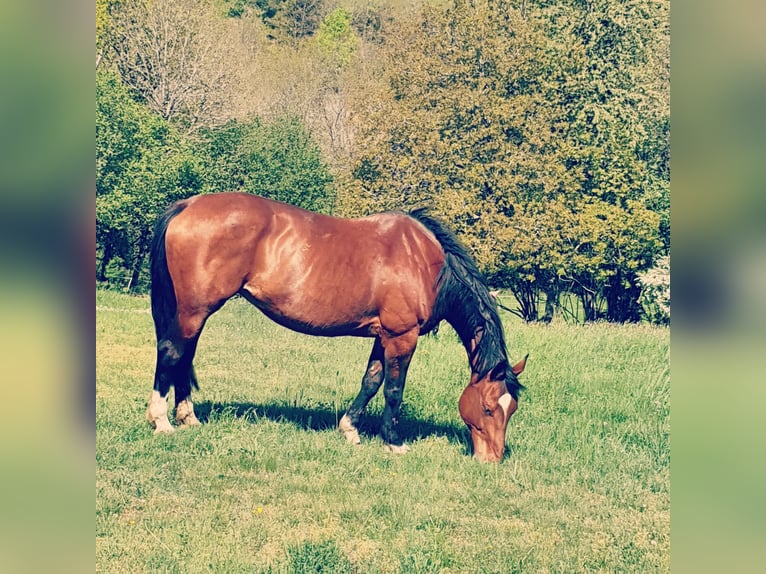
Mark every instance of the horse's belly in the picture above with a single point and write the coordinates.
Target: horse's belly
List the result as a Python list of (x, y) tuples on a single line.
[(325, 316)]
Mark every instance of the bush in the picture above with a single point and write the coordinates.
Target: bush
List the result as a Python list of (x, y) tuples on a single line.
[(655, 292), (117, 275), (279, 160)]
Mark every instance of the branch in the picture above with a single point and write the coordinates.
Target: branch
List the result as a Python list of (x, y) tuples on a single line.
[(583, 287), (496, 297)]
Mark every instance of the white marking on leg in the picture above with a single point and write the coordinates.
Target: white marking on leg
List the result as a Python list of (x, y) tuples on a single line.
[(157, 413), (185, 414), (349, 430)]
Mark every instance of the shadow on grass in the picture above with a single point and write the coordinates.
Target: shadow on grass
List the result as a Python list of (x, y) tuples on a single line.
[(321, 418)]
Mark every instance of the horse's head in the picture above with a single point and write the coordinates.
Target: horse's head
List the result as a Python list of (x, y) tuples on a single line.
[(486, 407)]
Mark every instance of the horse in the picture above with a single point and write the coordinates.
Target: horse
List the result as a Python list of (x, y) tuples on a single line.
[(392, 277)]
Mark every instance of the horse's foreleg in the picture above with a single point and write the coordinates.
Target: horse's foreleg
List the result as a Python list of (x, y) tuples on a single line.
[(157, 412), (373, 378), (398, 353)]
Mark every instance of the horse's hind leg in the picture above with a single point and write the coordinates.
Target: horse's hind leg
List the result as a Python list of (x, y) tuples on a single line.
[(169, 354), (175, 353), (184, 408), (373, 378)]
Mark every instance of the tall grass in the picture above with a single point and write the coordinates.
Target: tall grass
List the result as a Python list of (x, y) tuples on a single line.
[(268, 485)]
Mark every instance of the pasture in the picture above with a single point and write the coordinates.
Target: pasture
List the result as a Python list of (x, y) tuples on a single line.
[(268, 485)]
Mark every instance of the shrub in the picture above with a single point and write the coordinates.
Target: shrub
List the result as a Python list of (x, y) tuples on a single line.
[(655, 292)]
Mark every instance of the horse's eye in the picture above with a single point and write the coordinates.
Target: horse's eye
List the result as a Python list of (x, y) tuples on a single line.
[(487, 412)]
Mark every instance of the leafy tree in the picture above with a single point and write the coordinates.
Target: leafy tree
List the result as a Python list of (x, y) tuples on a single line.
[(372, 21), (103, 24), (239, 8), (528, 145), (539, 129), (142, 165), (287, 19), (279, 160), (616, 106), (469, 133), (336, 37), (300, 18)]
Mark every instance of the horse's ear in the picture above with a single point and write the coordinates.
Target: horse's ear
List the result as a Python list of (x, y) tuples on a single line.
[(498, 373), (518, 368)]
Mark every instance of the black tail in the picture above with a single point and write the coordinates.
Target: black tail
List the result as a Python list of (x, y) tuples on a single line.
[(163, 294), (463, 299)]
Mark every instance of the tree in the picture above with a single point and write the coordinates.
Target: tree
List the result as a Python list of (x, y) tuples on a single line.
[(142, 166), (289, 20), (278, 159), (616, 104), (177, 57), (469, 133), (336, 38), (527, 143)]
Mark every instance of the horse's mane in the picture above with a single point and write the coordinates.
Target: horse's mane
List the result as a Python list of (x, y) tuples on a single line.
[(463, 300)]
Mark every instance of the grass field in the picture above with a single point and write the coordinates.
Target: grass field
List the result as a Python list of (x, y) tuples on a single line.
[(268, 485)]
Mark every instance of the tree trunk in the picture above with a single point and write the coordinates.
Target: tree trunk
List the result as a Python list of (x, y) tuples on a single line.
[(143, 248), (526, 295), (588, 306), (105, 259), (551, 302), (622, 303)]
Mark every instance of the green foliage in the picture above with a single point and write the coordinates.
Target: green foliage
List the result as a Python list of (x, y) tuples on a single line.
[(533, 138), (279, 160), (238, 8), (371, 20), (102, 22), (142, 166), (539, 130), (287, 19), (336, 37), (116, 273)]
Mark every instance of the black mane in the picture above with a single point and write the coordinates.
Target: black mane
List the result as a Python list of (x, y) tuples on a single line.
[(463, 300)]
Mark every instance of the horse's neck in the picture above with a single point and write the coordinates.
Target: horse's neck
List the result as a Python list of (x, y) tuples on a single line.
[(468, 327), (483, 344)]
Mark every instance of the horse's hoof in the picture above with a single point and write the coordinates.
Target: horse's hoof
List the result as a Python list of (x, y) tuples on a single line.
[(189, 421), (349, 431), (163, 427), (352, 437), (397, 448)]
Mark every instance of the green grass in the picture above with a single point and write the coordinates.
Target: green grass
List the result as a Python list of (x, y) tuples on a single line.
[(268, 485)]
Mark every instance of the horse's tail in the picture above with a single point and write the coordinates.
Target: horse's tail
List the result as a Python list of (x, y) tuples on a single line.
[(163, 295)]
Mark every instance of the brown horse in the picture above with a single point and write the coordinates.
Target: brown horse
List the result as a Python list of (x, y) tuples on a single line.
[(391, 277)]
